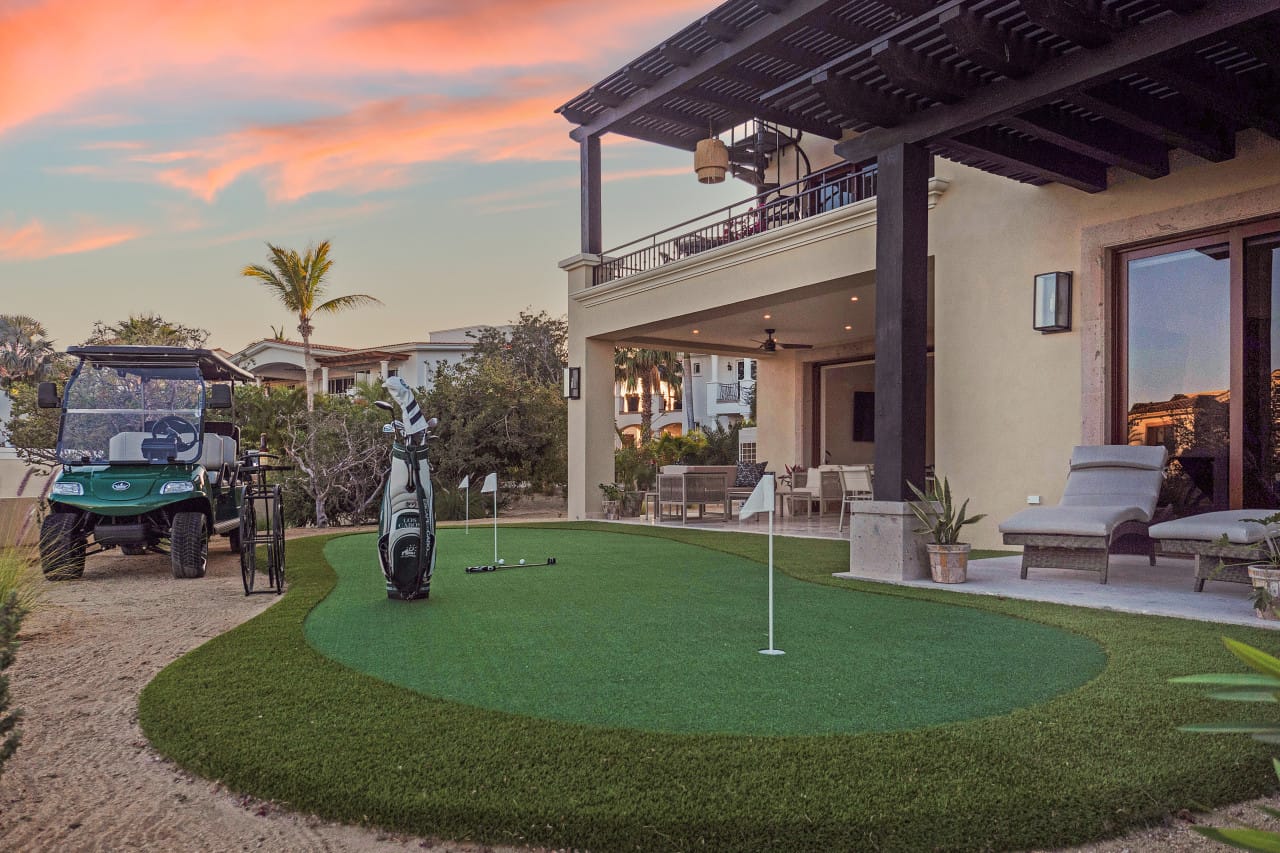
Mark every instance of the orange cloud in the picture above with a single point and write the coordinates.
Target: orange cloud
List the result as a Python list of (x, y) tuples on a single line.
[(33, 240), (369, 148), (57, 54)]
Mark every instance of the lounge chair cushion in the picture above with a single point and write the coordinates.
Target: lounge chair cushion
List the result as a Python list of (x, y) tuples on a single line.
[(1071, 520), (1209, 526), (1118, 456)]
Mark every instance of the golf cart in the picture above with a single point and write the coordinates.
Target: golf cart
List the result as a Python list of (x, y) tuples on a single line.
[(142, 469)]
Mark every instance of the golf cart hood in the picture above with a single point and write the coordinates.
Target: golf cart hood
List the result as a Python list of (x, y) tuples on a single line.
[(125, 489)]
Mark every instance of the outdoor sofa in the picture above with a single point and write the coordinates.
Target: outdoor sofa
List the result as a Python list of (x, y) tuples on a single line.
[(1202, 537), (1110, 495)]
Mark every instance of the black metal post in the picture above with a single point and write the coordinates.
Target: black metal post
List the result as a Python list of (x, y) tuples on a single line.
[(589, 154), (902, 301)]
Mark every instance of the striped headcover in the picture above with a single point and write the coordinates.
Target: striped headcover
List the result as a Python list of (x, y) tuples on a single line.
[(410, 414)]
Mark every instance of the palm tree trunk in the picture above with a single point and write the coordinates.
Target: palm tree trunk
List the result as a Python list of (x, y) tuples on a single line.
[(304, 328), (646, 410)]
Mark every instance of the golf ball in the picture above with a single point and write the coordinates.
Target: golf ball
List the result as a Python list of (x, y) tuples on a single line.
[(502, 562), (522, 562)]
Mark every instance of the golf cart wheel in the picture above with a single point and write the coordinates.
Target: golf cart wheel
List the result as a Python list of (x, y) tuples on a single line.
[(248, 549), (277, 540), (188, 545), (133, 550), (61, 547)]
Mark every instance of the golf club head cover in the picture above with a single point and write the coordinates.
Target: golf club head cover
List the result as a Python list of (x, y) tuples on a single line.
[(414, 422)]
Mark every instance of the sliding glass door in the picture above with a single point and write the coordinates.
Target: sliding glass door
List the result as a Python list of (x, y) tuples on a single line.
[(1198, 356)]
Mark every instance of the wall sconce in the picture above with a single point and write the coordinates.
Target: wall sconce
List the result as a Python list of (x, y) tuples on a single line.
[(1051, 311), (572, 384)]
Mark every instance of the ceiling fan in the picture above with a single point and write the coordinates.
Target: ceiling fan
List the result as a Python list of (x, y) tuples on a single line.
[(769, 344)]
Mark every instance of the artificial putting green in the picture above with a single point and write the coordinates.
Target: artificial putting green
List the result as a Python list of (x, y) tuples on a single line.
[(654, 634), (261, 710)]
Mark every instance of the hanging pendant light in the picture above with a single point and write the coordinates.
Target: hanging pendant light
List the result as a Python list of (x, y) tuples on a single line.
[(711, 161)]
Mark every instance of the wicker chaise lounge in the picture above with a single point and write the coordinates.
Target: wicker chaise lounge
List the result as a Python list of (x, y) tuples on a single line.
[(1110, 494), (1201, 537)]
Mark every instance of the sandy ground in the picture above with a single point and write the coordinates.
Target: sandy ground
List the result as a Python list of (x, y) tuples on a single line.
[(85, 778)]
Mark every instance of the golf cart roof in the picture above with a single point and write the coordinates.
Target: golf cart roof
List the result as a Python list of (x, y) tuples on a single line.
[(212, 366)]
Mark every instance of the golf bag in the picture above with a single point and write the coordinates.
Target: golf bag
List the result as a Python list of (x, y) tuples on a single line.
[(406, 523)]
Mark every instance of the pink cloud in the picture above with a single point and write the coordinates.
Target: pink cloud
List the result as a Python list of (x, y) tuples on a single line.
[(369, 148), (57, 54), (33, 240)]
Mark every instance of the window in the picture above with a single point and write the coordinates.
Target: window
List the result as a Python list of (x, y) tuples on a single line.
[(631, 403), (341, 386), (742, 370), (747, 451), (753, 369), (697, 368), (1197, 323), (393, 371)]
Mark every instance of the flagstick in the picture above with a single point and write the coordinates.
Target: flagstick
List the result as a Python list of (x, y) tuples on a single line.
[(771, 650), (467, 529), (495, 526)]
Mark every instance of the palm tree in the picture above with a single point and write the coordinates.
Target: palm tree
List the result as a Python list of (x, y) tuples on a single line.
[(26, 353), (646, 369), (298, 282)]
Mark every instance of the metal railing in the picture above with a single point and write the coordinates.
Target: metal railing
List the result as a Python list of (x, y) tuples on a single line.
[(728, 392), (822, 191)]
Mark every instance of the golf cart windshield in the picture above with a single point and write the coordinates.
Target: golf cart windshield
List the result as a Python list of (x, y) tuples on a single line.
[(132, 414)]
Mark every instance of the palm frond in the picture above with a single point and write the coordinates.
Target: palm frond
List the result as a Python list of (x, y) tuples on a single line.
[(342, 303)]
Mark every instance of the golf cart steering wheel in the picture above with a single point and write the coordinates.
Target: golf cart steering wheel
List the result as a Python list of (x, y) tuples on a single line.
[(172, 425)]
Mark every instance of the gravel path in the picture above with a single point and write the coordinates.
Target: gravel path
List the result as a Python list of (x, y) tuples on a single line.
[(85, 778)]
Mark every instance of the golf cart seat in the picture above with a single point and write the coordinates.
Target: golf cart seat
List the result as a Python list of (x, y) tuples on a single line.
[(126, 446)]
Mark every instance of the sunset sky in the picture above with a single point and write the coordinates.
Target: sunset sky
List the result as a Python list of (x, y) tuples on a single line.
[(150, 148)]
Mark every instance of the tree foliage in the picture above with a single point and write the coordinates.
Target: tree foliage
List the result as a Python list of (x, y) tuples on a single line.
[(33, 431), (26, 352), (341, 457), (647, 369), (147, 330), (501, 409), (298, 281)]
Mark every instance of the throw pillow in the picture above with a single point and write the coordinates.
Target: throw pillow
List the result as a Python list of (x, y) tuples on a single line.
[(749, 474)]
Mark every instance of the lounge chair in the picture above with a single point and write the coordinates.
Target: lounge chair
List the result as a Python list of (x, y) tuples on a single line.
[(1110, 494), (1201, 536)]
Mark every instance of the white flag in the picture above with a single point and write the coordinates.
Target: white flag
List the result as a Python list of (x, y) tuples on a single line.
[(761, 499), (466, 482), (490, 484)]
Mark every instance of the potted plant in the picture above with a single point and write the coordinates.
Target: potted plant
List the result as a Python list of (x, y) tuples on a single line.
[(1264, 572), (612, 493), (948, 556)]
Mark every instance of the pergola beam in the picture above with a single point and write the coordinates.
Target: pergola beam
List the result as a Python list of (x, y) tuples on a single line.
[(979, 40), (1067, 19), (989, 104), (754, 109), (911, 71), (1034, 156), (856, 103), (1100, 140), (722, 55), (1172, 120), (1201, 83)]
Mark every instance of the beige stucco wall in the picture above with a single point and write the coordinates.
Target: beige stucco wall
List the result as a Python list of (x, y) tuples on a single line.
[(1009, 402)]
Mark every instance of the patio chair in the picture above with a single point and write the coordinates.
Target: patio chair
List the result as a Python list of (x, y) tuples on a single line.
[(1111, 492), (1201, 537), (821, 486), (855, 480)]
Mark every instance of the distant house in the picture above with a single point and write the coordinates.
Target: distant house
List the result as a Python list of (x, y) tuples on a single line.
[(718, 389), (337, 369)]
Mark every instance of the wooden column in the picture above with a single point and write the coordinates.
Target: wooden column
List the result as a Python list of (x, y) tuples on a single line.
[(902, 296), (589, 155)]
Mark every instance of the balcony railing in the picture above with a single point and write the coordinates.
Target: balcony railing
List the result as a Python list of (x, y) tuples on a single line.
[(820, 192), (728, 392)]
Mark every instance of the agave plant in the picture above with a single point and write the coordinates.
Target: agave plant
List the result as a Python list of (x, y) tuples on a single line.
[(1261, 685), (937, 513)]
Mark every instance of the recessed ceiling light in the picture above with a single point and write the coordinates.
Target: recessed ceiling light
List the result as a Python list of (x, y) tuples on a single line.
[(768, 316), (848, 328), (853, 299), (695, 331)]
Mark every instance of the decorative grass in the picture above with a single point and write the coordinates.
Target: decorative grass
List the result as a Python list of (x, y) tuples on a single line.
[(659, 635), (266, 714)]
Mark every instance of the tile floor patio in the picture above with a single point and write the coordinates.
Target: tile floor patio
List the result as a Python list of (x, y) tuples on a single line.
[(1133, 586)]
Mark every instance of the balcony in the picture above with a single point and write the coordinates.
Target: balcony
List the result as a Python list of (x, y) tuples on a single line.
[(727, 392), (820, 192)]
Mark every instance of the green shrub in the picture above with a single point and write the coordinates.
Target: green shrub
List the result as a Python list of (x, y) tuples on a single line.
[(450, 503)]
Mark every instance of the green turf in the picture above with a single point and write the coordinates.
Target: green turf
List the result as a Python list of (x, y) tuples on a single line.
[(654, 634), (263, 712)]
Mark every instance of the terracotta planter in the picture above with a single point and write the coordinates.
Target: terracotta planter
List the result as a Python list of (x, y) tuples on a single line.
[(1264, 575), (949, 563)]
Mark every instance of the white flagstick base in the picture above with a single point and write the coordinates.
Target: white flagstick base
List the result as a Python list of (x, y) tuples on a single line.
[(772, 652)]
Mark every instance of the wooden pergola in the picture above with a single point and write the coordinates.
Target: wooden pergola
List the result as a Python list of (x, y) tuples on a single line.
[(1038, 91)]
